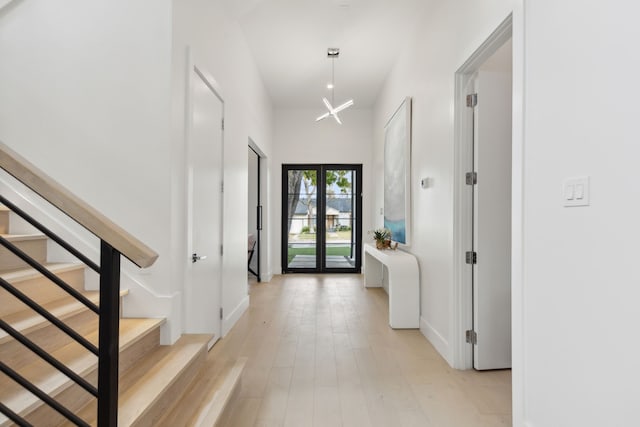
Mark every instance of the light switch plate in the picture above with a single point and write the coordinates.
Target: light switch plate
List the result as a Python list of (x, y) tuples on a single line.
[(575, 191)]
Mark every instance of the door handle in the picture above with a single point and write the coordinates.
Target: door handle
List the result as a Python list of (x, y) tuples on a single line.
[(195, 257)]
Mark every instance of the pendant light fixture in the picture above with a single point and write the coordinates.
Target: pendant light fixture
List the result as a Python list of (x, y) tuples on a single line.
[(333, 53)]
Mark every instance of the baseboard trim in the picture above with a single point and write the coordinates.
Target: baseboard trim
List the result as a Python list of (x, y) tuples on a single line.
[(438, 341), (232, 318), (266, 277)]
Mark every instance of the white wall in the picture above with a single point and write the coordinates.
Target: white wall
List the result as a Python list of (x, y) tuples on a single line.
[(575, 303), (82, 82), (580, 279), (298, 138), (93, 93), (84, 95), (218, 46), (450, 33)]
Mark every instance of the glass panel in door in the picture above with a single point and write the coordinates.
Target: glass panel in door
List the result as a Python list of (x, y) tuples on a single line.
[(302, 219), (340, 219)]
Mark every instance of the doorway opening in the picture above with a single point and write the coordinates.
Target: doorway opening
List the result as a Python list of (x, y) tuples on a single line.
[(483, 205), (321, 218), (254, 240)]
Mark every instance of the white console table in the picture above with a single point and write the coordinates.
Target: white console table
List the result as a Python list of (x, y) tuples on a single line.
[(403, 283)]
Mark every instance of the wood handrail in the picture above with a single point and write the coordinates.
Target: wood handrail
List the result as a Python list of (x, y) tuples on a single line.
[(74, 207)]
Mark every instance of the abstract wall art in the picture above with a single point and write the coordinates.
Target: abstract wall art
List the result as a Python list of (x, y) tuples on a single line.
[(397, 173)]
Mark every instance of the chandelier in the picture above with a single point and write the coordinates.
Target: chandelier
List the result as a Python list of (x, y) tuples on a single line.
[(333, 53)]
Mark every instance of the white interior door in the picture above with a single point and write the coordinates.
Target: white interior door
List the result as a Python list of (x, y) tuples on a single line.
[(203, 292), (492, 220)]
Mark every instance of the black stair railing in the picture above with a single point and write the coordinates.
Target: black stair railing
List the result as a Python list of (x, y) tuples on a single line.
[(114, 243)]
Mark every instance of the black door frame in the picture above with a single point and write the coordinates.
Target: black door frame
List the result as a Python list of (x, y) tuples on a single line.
[(258, 246), (320, 169)]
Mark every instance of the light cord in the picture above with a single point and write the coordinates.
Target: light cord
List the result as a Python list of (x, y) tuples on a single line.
[(333, 80)]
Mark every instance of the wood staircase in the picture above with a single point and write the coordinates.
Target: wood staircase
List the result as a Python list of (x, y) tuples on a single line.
[(159, 385)]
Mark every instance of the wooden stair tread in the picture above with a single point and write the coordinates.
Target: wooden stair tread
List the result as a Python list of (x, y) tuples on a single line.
[(38, 287), (147, 390), (206, 400), (78, 359), (152, 377), (146, 382), (219, 398), (27, 321), (33, 244), (17, 276)]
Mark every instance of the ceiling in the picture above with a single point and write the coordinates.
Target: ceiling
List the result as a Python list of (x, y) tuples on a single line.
[(289, 41)]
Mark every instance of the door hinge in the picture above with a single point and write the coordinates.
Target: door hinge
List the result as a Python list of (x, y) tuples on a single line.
[(222, 124), (472, 100), (222, 187), (472, 337), (221, 250), (471, 257), (471, 178), (221, 313)]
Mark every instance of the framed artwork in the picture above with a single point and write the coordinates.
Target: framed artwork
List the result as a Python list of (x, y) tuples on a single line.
[(397, 173)]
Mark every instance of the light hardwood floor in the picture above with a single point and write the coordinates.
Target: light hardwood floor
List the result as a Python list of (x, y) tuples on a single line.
[(320, 353)]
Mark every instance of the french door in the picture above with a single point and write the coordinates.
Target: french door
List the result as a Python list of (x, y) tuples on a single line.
[(321, 218)]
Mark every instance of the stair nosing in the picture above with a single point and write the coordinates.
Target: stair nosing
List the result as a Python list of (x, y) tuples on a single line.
[(23, 274), (24, 237)]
